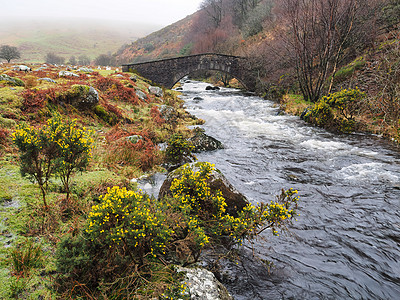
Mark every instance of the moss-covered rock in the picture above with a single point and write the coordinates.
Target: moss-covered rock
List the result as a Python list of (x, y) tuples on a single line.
[(203, 142), (81, 96), (8, 80)]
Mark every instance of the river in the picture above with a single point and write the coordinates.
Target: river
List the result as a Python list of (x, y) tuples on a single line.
[(346, 242)]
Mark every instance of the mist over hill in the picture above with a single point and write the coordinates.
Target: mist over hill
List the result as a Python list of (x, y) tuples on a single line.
[(69, 37)]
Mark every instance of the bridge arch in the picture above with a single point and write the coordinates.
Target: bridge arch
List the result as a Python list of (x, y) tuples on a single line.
[(168, 72)]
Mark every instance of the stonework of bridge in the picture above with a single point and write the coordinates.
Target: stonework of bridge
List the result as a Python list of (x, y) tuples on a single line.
[(168, 72)]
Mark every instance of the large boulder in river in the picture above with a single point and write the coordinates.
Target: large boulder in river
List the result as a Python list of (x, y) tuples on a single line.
[(203, 142), (216, 181)]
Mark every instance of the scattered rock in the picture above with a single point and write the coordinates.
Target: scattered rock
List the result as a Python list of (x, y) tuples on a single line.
[(11, 80), (134, 138), (167, 112), (119, 75), (47, 79), (197, 99), (155, 90), (141, 95), (81, 96), (86, 70), (179, 89), (203, 285), (217, 181), (40, 69), (203, 142), (67, 74)]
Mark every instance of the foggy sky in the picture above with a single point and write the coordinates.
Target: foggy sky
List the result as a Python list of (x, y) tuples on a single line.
[(156, 12)]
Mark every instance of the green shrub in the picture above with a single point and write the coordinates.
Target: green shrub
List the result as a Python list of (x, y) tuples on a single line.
[(347, 71), (321, 114), (337, 110), (347, 102), (179, 150), (106, 116), (127, 235)]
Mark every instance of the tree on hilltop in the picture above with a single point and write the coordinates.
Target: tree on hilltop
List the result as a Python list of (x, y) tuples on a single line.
[(9, 52)]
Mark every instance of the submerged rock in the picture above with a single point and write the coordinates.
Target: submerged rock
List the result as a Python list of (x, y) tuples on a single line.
[(217, 181), (212, 88), (203, 285)]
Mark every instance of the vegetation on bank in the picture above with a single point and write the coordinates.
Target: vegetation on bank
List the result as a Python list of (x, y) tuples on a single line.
[(73, 223)]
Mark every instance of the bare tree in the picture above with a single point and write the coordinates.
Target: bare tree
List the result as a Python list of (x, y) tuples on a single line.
[(83, 60), (318, 30), (9, 52), (54, 59), (214, 9)]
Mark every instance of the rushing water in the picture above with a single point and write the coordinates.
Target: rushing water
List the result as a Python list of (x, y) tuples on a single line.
[(346, 242)]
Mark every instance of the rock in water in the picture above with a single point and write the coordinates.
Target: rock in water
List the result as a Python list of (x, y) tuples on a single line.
[(203, 285), (203, 142), (217, 181)]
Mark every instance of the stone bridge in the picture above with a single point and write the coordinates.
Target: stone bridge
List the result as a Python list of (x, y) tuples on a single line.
[(168, 72)]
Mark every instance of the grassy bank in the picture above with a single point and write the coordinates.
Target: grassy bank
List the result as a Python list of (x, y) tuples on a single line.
[(29, 233)]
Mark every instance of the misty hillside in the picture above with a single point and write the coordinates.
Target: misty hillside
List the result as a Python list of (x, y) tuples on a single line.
[(164, 43), (68, 38)]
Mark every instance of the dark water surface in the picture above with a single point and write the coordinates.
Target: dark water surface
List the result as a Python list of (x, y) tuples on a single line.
[(346, 242)]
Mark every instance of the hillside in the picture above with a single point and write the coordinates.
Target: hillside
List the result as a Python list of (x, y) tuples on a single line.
[(68, 38), (164, 43)]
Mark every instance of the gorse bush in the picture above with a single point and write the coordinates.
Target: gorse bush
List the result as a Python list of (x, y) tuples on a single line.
[(130, 223), (58, 148), (337, 110), (179, 150), (127, 234), (124, 237), (206, 209)]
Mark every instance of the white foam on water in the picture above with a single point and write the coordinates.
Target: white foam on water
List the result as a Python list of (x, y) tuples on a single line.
[(326, 146), (371, 172)]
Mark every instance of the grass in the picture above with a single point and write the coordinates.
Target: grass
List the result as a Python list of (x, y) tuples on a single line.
[(347, 71), (22, 216), (294, 104)]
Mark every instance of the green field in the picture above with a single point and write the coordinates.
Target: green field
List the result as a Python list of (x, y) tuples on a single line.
[(69, 38)]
